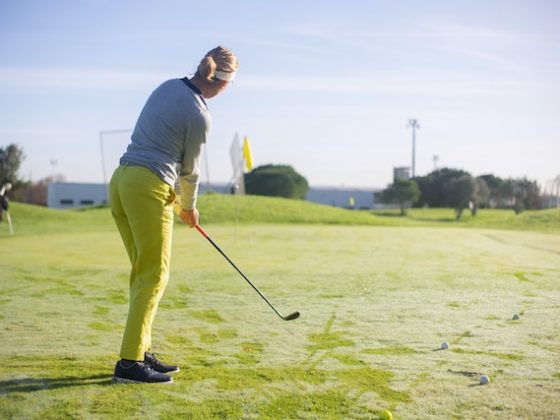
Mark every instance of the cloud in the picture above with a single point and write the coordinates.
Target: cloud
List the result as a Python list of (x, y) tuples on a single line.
[(76, 79), (309, 29), (436, 86), (423, 83), (468, 33), (484, 57)]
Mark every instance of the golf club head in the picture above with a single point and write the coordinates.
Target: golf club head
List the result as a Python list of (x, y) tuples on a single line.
[(291, 317)]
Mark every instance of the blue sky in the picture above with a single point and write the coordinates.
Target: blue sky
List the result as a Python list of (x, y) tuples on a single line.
[(327, 87)]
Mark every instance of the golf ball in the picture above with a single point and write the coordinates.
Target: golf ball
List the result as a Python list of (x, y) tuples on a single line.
[(444, 345), (515, 317), (386, 415), (484, 380)]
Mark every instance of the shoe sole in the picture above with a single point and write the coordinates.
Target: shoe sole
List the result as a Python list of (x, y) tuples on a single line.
[(119, 380), (168, 371)]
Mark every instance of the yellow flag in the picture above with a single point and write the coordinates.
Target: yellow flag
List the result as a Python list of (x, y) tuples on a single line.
[(247, 154)]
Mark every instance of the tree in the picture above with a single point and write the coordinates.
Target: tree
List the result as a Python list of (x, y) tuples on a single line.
[(459, 193), (433, 187), (526, 194), (276, 181), (440, 188), (402, 192), (10, 161), (11, 157), (497, 193), (480, 195), (501, 191), (37, 192)]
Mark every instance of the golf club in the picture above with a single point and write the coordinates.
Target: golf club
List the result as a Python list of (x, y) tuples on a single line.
[(290, 317)]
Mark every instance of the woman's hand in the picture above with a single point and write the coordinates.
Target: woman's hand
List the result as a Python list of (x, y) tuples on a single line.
[(190, 217)]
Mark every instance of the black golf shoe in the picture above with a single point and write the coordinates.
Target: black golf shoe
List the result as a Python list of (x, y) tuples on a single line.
[(139, 372), (151, 360)]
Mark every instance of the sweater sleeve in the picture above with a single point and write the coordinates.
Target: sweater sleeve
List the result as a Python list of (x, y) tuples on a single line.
[(189, 175)]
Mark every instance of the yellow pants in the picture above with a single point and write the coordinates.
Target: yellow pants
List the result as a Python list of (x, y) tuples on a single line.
[(141, 204)]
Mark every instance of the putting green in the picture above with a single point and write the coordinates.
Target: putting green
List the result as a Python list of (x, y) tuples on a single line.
[(376, 304)]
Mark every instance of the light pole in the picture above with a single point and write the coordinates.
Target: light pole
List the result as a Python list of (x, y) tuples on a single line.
[(557, 183), (54, 162), (413, 123), (101, 134)]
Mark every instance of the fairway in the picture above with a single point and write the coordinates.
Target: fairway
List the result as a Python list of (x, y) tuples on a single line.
[(376, 303)]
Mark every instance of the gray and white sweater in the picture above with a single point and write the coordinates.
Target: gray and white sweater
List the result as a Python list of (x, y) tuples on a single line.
[(169, 136)]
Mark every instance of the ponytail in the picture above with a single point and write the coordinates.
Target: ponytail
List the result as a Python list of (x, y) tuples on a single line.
[(219, 59), (207, 68)]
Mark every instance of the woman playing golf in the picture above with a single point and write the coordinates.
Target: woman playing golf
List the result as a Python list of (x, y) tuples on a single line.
[(166, 146)]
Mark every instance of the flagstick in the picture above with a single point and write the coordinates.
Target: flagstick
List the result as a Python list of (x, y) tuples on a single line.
[(236, 199), (247, 158), (208, 188)]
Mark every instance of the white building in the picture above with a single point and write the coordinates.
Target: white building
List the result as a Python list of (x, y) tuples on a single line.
[(70, 195), (402, 172)]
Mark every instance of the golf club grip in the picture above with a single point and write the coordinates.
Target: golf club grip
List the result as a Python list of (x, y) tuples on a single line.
[(202, 232)]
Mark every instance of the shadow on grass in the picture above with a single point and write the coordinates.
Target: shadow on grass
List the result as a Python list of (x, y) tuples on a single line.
[(39, 384), (398, 215), (388, 214), (437, 219)]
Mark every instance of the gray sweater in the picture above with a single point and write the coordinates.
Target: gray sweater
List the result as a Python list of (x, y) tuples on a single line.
[(170, 135)]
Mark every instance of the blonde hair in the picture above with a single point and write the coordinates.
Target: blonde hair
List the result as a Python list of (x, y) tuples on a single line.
[(218, 59)]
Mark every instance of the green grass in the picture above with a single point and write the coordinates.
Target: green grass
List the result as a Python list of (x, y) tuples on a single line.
[(540, 220), (209, 315), (391, 350), (376, 302), (226, 209), (28, 219)]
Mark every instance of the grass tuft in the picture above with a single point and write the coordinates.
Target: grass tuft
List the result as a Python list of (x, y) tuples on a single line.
[(101, 326), (250, 353), (208, 315), (503, 356), (521, 276), (466, 334), (328, 340), (391, 351)]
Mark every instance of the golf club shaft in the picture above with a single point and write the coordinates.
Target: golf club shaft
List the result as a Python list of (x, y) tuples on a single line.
[(203, 233)]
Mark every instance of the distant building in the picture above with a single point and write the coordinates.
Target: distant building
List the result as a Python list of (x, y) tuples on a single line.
[(401, 172), (70, 195), (345, 197)]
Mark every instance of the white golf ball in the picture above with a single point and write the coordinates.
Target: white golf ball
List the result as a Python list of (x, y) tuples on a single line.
[(444, 345), (484, 380)]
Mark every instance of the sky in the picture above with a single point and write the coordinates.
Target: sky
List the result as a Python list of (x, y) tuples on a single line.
[(325, 86)]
